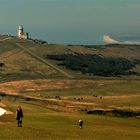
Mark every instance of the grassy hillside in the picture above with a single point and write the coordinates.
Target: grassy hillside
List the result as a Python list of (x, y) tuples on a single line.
[(81, 60), (41, 123), (54, 97), (27, 59), (18, 64)]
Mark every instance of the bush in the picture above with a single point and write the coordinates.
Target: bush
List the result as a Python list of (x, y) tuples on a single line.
[(115, 112), (95, 64)]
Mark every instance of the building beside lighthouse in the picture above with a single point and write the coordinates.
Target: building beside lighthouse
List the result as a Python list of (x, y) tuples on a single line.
[(21, 33)]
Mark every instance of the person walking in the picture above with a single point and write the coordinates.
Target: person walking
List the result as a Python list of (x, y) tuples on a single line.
[(19, 116), (81, 123)]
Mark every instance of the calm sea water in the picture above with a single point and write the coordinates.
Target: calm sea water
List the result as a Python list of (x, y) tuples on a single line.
[(72, 21)]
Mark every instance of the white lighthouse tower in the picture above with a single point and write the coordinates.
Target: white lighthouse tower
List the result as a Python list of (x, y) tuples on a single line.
[(21, 33)]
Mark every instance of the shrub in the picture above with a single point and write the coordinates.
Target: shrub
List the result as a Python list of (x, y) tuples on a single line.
[(95, 64)]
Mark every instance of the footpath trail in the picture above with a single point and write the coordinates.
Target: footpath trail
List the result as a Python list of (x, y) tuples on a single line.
[(6, 39), (44, 61)]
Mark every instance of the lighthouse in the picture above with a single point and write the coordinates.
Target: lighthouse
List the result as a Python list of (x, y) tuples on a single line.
[(21, 33)]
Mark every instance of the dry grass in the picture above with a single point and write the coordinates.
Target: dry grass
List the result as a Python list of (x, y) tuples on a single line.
[(75, 95)]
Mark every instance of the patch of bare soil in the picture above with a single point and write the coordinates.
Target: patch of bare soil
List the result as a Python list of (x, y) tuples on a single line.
[(121, 97), (9, 112), (16, 87), (2, 104), (73, 106)]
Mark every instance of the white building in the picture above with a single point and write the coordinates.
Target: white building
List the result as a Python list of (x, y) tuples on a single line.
[(21, 33)]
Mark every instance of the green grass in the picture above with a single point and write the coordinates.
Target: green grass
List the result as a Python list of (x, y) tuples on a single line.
[(40, 123), (101, 88), (9, 46), (121, 93)]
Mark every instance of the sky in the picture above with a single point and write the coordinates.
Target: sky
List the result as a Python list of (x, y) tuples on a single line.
[(72, 21)]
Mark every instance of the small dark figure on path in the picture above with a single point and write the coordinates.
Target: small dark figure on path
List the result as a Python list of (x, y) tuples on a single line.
[(81, 123), (19, 116)]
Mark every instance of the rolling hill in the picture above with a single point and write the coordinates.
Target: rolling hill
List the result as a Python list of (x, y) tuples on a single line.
[(58, 84), (28, 59)]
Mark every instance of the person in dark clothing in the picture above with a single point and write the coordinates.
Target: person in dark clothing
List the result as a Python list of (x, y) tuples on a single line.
[(19, 116), (80, 123)]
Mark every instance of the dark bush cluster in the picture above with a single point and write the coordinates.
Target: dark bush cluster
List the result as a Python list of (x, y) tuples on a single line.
[(2, 64), (95, 64), (115, 112), (125, 113), (2, 94)]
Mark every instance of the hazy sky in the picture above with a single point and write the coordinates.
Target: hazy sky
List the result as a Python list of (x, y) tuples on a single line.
[(71, 21)]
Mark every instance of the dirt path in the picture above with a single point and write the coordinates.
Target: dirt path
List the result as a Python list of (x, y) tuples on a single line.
[(44, 61), (6, 39), (121, 96), (15, 87)]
